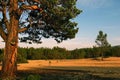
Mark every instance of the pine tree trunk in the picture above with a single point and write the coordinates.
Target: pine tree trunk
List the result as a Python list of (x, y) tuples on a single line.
[(9, 65)]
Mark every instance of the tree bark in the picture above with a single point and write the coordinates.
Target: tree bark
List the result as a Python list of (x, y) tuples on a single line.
[(9, 64)]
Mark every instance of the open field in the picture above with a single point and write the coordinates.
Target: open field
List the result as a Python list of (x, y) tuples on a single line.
[(78, 69), (108, 62)]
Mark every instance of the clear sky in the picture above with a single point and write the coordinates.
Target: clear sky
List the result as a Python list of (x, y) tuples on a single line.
[(97, 15)]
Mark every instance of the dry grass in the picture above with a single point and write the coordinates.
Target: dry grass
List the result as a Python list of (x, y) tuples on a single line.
[(48, 64), (76, 69)]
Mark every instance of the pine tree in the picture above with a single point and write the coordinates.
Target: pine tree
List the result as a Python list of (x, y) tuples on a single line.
[(102, 42), (35, 19)]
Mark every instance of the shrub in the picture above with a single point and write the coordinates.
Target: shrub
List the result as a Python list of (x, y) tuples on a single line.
[(33, 77), (21, 59)]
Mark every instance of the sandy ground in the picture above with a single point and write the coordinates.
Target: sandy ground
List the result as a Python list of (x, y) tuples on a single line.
[(46, 64)]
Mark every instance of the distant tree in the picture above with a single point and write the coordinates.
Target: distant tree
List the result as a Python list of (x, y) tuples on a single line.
[(102, 42), (35, 19)]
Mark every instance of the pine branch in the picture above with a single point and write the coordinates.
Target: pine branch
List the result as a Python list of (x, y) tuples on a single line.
[(4, 15), (23, 29), (27, 7)]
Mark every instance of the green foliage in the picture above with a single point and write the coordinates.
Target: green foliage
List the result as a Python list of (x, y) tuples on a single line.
[(62, 53), (102, 42), (115, 51), (33, 77), (21, 59), (22, 55), (96, 52), (78, 54), (56, 17), (23, 52)]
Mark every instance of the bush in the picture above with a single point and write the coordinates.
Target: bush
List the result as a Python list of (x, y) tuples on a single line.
[(33, 77), (21, 59)]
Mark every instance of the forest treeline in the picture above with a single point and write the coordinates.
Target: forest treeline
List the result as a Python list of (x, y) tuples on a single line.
[(61, 53)]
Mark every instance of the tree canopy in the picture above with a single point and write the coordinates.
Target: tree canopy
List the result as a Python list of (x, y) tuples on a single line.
[(101, 39), (42, 18), (48, 18)]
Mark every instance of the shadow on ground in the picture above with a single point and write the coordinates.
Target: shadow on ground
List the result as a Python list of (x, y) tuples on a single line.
[(72, 73), (60, 74)]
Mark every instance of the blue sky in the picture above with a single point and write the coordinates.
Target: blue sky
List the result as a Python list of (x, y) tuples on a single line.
[(97, 15)]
